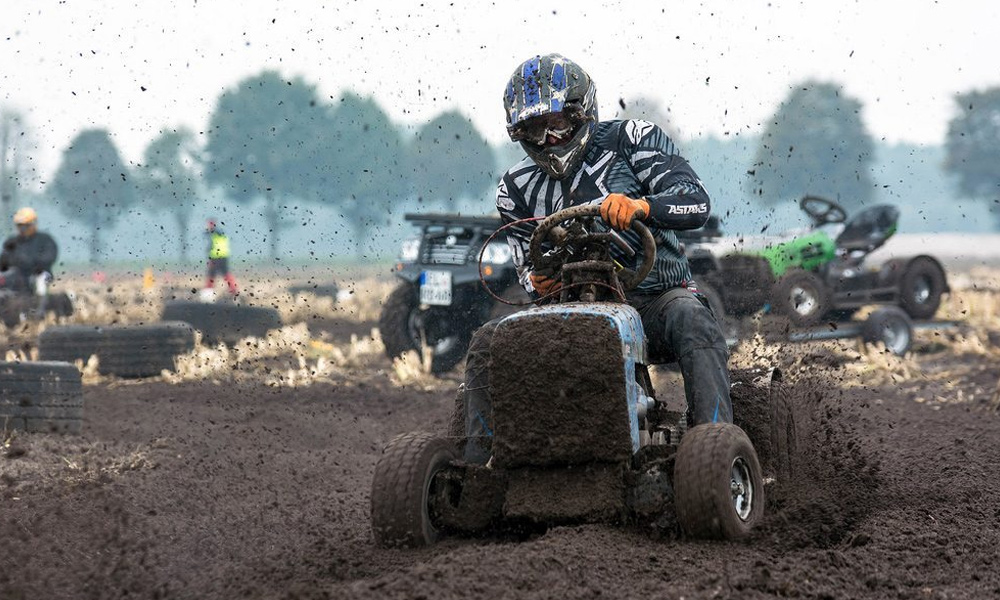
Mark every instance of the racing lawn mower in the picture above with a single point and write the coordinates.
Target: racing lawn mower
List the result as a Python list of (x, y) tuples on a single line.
[(815, 277), (579, 435)]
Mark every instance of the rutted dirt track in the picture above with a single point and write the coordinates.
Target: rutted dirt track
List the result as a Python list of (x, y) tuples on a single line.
[(238, 490)]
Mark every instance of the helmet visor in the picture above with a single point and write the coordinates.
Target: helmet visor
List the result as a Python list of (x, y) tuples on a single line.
[(552, 129)]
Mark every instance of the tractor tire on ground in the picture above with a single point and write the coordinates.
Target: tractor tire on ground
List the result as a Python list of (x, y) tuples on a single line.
[(44, 397), (221, 322), (921, 287), (891, 327), (399, 326), (718, 484), (402, 489), (802, 297), (124, 350)]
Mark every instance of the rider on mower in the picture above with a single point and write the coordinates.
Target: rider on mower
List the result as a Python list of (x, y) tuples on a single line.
[(27, 258), (633, 171)]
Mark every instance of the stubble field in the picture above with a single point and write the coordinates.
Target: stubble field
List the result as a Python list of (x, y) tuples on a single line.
[(246, 474)]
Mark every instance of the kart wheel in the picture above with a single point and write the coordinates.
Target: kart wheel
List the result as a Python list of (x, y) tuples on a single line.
[(802, 297), (718, 485), (891, 327), (921, 287), (403, 328), (403, 487)]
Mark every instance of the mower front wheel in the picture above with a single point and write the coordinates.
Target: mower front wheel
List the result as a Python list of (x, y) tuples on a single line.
[(802, 297), (403, 488), (718, 483)]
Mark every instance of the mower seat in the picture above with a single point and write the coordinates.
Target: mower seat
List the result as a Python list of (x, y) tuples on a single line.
[(868, 230)]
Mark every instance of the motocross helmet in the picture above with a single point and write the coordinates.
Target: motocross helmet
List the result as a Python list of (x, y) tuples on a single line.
[(551, 106)]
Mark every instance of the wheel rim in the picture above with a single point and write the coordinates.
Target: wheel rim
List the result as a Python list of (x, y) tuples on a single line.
[(922, 290), (741, 488), (803, 300), (895, 337)]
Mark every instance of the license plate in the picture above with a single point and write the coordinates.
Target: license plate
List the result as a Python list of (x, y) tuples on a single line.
[(435, 288)]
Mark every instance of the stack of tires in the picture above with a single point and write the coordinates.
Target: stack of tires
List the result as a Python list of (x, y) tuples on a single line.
[(140, 350), (223, 323), (40, 397)]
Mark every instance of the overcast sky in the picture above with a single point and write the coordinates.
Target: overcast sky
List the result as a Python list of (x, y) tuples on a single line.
[(721, 66)]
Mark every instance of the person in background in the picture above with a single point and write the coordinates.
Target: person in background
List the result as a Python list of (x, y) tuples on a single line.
[(218, 260), (27, 257)]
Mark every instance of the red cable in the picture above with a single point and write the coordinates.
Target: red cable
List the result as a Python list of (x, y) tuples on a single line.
[(482, 280)]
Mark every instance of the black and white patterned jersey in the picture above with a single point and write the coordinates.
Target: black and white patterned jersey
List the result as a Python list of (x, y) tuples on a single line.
[(635, 158)]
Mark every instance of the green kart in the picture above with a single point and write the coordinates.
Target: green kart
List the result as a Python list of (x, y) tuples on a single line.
[(822, 275)]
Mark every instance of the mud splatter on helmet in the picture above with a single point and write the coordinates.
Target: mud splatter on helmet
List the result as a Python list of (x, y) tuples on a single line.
[(551, 84)]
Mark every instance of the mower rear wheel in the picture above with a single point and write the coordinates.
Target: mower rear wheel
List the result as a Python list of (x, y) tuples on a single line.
[(763, 410), (403, 487), (891, 327), (921, 287), (718, 484)]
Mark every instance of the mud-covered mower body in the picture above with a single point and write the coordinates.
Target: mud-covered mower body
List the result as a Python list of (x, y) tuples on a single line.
[(567, 421)]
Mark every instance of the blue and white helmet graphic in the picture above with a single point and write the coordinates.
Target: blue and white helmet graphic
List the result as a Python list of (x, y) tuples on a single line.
[(551, 84)]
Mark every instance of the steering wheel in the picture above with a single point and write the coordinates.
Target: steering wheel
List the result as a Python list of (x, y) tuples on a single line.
[(822, 211), (628, 278)]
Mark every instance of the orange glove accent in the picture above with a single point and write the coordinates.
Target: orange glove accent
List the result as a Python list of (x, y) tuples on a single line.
[(618, 210), (544, 284)]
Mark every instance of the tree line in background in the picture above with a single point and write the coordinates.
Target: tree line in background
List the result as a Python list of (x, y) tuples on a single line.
[(277, 141)]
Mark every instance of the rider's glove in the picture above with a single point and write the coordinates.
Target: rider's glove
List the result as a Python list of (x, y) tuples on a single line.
[(544, 284), (618, 210)]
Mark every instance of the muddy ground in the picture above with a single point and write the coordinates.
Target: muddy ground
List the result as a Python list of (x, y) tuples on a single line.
[(232, 489)]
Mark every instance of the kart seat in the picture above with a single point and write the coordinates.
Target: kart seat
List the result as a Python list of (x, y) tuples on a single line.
[(868, 230)]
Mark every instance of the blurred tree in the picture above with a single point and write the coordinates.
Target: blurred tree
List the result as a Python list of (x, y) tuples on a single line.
[(448, 160), (170, 180), (368, 166), (92, 185), (268, 138), (14, 149), (815, 144), (972, 147)]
